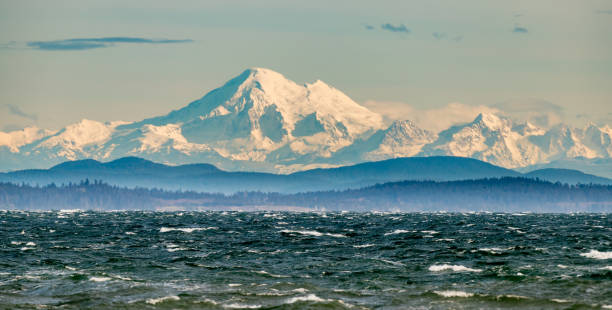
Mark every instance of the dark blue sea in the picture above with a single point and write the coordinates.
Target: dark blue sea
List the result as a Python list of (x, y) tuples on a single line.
[(283, 260)]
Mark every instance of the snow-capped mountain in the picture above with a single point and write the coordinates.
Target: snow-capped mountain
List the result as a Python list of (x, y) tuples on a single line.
[(257, 120), (489, 138), (261, 121), (400, 139)]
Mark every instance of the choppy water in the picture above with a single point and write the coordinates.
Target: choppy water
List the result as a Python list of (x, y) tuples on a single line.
[(216, 260)]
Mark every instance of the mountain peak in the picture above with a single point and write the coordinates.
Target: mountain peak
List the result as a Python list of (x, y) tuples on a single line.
[(260, 76), (489, 120)]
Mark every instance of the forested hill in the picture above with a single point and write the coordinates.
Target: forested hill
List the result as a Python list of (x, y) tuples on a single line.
[(137, 172), (507, 194)]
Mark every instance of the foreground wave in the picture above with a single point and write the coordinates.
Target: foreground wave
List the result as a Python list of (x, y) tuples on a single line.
[(246, 260)]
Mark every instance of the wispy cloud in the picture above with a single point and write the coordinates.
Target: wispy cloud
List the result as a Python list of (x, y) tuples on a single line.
[(369, 27), (399, 28), (91, 43), (439, 35), (435, 119), (609, 12), (15, 110), (11, 127), (536, 111), (519, 29), (444, 36)]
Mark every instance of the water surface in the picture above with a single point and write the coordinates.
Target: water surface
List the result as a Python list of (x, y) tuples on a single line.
[(281, 260)]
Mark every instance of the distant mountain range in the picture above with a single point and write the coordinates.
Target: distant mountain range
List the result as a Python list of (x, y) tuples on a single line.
[(136, 172), (261, 121)]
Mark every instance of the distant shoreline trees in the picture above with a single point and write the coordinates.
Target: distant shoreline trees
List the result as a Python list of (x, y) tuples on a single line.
[(508, 194)]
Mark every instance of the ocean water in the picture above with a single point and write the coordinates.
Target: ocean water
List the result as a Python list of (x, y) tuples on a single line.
[(282, 260)]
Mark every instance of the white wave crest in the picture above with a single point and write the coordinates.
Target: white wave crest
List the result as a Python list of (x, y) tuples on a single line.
[(311, 233), (455, 268), (598, 255), (263, 272), (454, 294), (309, 297), (185, 230), (241, 306), (397, 231), (154, 301)]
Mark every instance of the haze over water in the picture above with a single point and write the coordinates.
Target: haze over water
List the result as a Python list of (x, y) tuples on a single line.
[(280, 260)]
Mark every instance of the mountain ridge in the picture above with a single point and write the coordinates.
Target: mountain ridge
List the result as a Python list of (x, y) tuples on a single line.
[(261, 121), (138, 172)]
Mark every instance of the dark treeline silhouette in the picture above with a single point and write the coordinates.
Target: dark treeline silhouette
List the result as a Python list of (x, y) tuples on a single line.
[(507, 194)]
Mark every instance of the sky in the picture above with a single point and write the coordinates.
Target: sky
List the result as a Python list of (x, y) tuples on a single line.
[(546, 61)]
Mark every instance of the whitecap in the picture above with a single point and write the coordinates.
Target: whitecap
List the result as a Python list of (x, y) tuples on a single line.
[(309, 297), (234, 284), (186, 230), (70, 211), (99, 279), (517, 230), (456, 268), (363, 246), (30, 244), (311, 233), (300, 290), (494, 250), (270, 274), (431, 232), (609, 268), (173, 248), (241, 306), (398, 231), (597, 255), (154, 301), (510, 296), (454, 294)]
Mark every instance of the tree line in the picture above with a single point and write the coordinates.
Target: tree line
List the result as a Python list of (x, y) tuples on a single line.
[(494, 194)]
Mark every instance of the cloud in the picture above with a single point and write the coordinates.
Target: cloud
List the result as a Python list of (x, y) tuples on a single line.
[(609, 12), (369, 27), (519, 29), (439, 35), (538, 112), (91, 43), (11, 127), (399, 28), (444, 36), (436, 119), (17, 111)]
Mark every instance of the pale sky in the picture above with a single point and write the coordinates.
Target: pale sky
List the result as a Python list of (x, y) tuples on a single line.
[(404, 56)]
